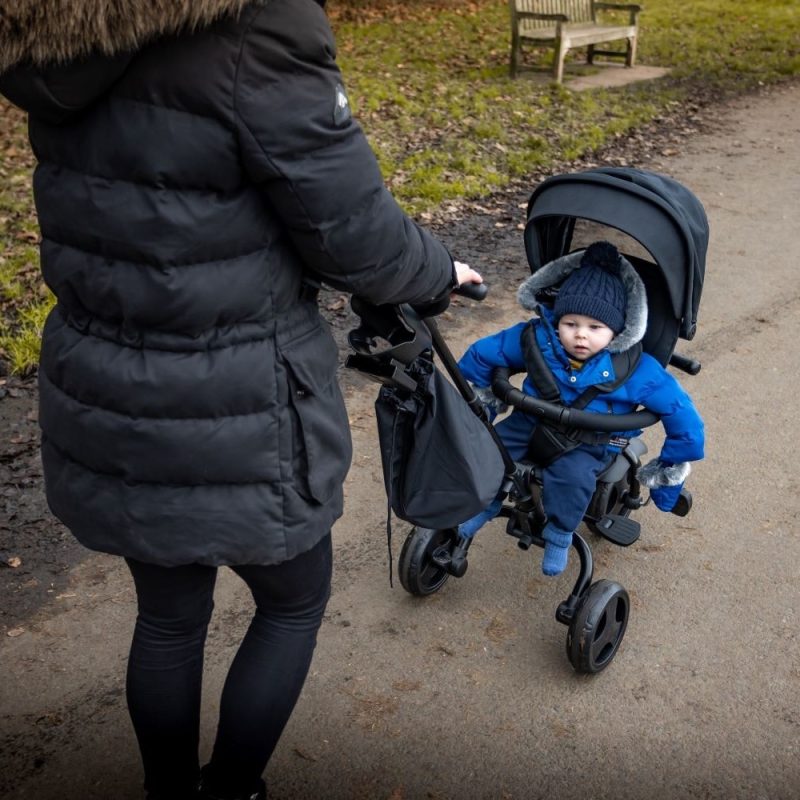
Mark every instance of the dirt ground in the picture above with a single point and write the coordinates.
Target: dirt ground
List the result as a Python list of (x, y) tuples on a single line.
[(468, 693)]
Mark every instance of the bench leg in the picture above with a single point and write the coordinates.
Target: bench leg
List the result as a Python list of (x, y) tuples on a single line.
[(513, 66), (590, 54), (558, 60), (630, 55)]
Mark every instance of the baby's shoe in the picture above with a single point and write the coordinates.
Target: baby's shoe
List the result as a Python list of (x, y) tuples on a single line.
[(556, 551), (555, 559)]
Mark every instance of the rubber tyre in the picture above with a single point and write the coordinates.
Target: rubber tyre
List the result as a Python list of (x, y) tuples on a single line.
[(418, 574), (595, 633)]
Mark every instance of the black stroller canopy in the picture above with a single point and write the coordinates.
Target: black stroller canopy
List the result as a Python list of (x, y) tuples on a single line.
[(655, 210)]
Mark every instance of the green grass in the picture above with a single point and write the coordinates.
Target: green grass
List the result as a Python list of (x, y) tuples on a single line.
[(446, 121), (21, 343), (24, 300), (429, 82)]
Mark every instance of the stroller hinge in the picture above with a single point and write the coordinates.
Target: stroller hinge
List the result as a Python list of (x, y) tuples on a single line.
[(389, 372), (454, 560)]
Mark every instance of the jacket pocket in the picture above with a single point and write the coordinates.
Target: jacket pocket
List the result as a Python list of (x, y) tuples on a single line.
[(315, 397)]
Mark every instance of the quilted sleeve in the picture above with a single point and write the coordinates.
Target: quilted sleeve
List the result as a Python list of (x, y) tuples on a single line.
[(300, 143)]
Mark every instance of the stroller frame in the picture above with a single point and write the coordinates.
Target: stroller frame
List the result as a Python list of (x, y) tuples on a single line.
[(595, 614), (669, 222)]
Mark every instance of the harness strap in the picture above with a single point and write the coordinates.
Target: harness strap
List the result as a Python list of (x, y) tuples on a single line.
[(541, 376)]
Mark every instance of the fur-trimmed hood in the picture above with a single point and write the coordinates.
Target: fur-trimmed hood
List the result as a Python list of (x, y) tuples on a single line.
[(44, 32), (555, 271)]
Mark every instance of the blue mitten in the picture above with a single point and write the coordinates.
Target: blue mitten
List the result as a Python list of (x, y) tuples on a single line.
[(665, 497), (556, 551), (665, 481)]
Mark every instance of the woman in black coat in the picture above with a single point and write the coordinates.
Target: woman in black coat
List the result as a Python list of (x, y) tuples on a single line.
[(198, 171)]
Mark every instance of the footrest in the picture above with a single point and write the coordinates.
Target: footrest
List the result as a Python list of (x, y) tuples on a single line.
[(623, 531)]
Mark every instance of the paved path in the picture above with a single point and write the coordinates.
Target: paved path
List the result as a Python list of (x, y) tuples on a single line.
[(468, 694)]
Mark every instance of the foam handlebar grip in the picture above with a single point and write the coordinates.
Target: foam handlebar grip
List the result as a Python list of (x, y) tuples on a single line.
[(474, 291)]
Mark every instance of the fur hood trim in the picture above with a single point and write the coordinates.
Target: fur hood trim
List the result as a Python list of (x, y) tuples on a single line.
[(555, 271), (39, 32)]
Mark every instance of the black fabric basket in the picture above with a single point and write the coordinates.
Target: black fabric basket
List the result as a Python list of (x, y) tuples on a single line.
[(440, 463)]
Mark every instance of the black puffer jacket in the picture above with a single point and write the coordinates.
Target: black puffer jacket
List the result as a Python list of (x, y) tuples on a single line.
[(185, 188)]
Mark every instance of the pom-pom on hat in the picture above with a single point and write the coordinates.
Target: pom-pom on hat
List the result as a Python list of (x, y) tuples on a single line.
[(595, 289)]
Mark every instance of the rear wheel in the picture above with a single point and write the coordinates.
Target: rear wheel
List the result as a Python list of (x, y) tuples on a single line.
[(596, 631), (419, 573)]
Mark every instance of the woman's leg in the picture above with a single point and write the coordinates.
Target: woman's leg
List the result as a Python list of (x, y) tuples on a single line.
[(165, 671), (269, 669)]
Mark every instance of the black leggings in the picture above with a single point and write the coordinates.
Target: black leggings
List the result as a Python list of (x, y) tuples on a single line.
[(165, 668)]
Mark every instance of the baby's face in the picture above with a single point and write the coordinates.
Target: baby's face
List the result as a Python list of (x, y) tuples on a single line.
[(583, 337)]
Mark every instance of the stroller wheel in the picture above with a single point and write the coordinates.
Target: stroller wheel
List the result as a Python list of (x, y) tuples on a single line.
[(419, 572), (597, 629)]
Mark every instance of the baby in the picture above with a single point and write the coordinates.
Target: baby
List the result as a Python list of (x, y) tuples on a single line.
[(600, 310)]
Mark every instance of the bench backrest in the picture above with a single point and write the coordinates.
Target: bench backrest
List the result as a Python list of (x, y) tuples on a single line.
[(576, 10)]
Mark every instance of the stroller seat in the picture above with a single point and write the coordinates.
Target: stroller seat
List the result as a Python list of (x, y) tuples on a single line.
[(616, 494)]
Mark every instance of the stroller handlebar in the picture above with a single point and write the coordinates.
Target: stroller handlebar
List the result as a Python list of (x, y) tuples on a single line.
[(585, 420), (474, 291)]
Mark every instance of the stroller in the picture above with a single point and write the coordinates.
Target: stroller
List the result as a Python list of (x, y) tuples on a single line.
[(666, 237)]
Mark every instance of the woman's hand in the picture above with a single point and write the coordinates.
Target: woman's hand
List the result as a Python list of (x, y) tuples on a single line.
[(465, 274)]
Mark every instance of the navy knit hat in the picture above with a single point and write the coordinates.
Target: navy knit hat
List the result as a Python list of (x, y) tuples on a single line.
[(595, 288)]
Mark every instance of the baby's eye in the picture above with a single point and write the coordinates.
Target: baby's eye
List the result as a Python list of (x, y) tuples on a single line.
[(595, 327)]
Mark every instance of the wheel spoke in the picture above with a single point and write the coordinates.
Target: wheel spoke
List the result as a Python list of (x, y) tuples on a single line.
[(608, 636), (610, 628)]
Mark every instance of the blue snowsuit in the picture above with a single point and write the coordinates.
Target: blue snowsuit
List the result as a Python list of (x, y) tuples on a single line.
[(569, 482)]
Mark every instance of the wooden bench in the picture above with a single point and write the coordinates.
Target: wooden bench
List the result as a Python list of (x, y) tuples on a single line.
[(567, 24)]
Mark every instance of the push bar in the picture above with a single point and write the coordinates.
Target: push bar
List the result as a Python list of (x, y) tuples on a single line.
[(569, 417)]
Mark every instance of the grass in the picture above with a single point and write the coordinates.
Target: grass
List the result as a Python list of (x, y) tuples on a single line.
[(21, 344), (433, 93), (428, 79), (24, 300)]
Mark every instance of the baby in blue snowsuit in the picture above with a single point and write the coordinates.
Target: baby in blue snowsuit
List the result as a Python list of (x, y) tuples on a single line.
[(600, 309)]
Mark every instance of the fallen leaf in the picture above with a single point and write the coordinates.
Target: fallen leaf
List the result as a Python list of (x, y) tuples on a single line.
[(15, 631), (406, 686), (14, 562), (304, 754)]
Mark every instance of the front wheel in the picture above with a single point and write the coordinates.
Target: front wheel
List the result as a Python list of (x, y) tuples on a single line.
[(419, 573), (596, 631)]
